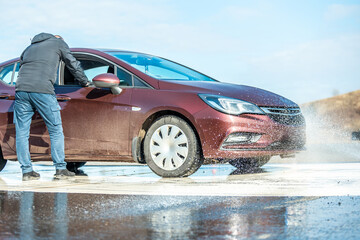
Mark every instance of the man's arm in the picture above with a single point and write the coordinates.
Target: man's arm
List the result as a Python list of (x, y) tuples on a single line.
[(73, 65), (22, 57)]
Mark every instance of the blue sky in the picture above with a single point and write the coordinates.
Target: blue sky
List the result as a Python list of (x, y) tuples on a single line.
[(303, 50)]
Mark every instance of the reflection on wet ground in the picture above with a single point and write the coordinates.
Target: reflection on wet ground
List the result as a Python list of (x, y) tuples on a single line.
[(29, 215)]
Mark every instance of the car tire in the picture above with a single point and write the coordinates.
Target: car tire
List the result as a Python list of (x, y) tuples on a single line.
[(248, 164), (171, 148), (2, 160), (74, 166)]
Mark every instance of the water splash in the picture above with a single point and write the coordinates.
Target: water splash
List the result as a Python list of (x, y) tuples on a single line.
[(328, 140)]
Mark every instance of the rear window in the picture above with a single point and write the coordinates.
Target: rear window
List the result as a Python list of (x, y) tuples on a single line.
[(6, 74)]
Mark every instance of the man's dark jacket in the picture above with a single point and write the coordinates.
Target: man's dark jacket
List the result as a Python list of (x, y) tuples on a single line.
[(40, 61)]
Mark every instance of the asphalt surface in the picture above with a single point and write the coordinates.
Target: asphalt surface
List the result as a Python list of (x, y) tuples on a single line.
[(29, 215), (286, 199)]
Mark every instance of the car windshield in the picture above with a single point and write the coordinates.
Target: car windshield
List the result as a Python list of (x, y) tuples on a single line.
[(160, 68)]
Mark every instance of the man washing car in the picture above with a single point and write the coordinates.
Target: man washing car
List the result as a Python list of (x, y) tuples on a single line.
[(35, 91)]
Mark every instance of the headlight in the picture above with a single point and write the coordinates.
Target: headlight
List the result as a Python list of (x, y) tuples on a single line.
[(230, 105)]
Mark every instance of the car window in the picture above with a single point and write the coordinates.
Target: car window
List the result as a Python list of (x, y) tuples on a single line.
[(94, 66), (93, 72), (6, 73), (139, 83), (159, 72), (124, 77), (160, 68), (91, 69)]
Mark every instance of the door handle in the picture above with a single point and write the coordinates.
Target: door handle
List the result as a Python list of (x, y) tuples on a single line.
[(63, 98), (6, 96)]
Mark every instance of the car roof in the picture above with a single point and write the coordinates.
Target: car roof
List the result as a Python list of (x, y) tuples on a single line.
[(108, 50), (77, 49)]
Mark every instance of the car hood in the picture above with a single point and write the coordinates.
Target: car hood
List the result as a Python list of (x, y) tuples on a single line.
[(254, 95)]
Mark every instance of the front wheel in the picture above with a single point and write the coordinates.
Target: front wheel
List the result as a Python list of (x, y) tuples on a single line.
[(171, 148), (249, 163)]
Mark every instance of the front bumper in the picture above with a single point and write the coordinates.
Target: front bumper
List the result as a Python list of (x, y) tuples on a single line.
[(277, 138)]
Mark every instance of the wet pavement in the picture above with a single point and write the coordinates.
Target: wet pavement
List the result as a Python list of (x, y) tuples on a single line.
[(285, 199), (117, 201), (273, 179), (29, 215)]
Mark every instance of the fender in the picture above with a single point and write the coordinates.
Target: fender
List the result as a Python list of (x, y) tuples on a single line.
[(188, 116), (139, 133)]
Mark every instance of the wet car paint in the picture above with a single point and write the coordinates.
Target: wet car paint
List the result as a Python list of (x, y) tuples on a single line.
[(106, 132)]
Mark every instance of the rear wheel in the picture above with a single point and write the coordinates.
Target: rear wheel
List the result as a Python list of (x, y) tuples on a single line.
[(74, 166), (249, 163), (171, 148), (2, 160)]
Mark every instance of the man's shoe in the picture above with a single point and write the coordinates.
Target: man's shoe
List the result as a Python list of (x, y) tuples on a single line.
[(63, 174), (30, 176)]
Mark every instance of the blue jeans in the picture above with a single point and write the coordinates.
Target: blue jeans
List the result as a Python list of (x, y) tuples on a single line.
[(48, 107)]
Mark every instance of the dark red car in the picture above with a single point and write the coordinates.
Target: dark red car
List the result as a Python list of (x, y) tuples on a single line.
[(151, 110)]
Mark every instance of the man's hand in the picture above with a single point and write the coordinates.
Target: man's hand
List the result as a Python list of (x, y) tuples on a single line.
[(87, 84)]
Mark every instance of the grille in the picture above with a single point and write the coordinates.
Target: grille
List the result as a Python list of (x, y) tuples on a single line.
[(287, 116)]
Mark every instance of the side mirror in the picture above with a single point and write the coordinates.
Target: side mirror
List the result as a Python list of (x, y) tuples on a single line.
[(108, 80)]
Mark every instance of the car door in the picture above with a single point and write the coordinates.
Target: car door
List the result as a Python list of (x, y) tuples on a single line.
[(95, 122), (8, 75)]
